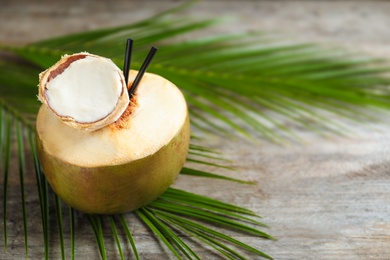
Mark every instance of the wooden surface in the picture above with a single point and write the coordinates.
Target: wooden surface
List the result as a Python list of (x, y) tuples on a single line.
[(325, 198)]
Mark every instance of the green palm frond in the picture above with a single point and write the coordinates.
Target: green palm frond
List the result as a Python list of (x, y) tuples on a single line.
[(175, 213), (189, 209), (232, 83)]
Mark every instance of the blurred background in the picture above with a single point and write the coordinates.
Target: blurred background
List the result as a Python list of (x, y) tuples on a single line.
[(361, 25)]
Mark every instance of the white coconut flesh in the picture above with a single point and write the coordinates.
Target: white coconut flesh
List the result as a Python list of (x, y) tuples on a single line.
[(85, 90), (157, 115), (88, 90)]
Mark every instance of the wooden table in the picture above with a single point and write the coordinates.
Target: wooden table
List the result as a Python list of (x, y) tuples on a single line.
[(324, 198)]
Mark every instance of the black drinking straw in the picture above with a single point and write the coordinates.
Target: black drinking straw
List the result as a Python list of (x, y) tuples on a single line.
[(142, 70), (126, 64)]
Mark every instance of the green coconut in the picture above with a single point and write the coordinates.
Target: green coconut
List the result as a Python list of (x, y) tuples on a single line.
[(115, 159)]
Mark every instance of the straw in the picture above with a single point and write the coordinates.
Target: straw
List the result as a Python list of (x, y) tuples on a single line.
[(142, 70), (126, 64)]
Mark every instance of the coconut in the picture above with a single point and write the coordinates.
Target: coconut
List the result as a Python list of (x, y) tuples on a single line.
[(109, 160)]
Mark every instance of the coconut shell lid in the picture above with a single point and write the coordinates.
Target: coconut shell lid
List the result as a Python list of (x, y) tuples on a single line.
[(85, 91)]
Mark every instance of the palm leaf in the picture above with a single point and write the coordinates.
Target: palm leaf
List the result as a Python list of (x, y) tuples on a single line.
[(60, 225), (7, 126), (22, 160), (233, 82), (201, 231), (129, 236), (176, 202), (117, 240), (72, 232), (256, 73), (96, 224), (42, 193)]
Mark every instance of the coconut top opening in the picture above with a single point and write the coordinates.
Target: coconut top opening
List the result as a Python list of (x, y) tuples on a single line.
[(84, 90)]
